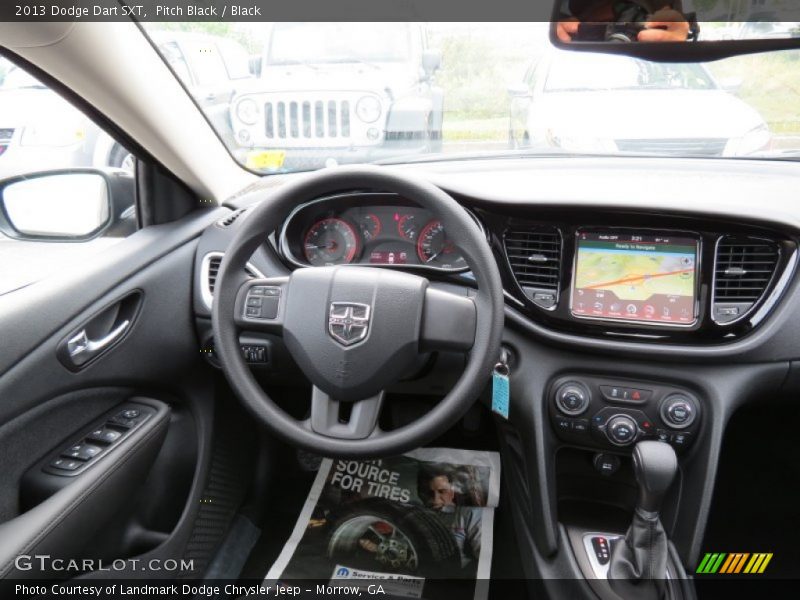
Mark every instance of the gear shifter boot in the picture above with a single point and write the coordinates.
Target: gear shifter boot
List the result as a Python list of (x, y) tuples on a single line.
[(638, 564)]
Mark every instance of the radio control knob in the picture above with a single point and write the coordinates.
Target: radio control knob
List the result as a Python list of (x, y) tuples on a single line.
[(678, 411), (572, 399), (621, 430)]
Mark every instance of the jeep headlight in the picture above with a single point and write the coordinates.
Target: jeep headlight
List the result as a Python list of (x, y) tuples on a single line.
[(368, 109), (247, 111), (755, 140)]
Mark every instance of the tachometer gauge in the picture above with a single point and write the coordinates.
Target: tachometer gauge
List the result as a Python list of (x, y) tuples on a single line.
[(370, 226), (435, 249), (331, 241), (406, 226)]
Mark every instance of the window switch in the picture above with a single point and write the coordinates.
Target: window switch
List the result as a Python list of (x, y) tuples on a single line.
[(66, 464), (82, 452), (105, 435)]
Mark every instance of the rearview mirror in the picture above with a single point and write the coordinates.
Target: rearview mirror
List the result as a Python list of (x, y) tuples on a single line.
[(672, 30), (69, 205)]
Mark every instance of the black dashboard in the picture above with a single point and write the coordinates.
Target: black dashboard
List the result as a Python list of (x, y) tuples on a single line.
[(740, 262), (610, 273)]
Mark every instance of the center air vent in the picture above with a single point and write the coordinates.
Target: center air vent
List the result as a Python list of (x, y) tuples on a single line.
[(535, 258), (743, 270), (209, 270)]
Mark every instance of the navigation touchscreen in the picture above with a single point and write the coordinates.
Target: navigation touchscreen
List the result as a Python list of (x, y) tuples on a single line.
[(631, 277)]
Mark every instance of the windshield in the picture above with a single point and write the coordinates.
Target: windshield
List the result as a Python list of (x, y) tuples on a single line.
[(338, 42), (301, 96), (600, 72)]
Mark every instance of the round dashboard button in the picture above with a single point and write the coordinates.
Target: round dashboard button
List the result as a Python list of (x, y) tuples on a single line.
[(678, 411), (572, 399), (621, 430)]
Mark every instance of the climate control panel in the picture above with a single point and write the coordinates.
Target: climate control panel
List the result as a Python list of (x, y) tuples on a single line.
[(602, 412)]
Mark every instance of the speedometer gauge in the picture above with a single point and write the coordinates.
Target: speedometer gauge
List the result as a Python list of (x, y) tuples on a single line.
[(331, 241), (434, 248)]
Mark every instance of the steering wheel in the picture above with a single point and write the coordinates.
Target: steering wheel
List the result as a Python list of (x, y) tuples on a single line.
[(355, 330)]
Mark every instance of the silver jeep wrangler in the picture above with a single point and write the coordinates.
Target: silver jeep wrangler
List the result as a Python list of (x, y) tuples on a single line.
[(331, 93)]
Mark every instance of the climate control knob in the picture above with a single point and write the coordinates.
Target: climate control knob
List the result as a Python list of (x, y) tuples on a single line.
[(572, 398), (678, 411), (621, 430)]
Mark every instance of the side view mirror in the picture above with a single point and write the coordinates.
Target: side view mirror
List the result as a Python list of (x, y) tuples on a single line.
[(431, 61), (518, 90), (70, 205)]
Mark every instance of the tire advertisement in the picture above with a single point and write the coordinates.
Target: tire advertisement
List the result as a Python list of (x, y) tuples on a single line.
[(420, 525)]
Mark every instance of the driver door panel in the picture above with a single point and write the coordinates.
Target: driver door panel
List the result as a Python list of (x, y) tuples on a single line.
[(51, 405)]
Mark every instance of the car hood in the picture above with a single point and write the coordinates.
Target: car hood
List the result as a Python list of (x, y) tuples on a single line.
[(645, 114), (23, 106), (375, 77)]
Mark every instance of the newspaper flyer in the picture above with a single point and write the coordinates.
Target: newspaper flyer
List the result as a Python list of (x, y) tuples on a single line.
[(419, 524)]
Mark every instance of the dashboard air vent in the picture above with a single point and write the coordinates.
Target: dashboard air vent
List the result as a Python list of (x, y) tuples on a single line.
[(228, 221), (209, 271), (535, 259), (743, 270)]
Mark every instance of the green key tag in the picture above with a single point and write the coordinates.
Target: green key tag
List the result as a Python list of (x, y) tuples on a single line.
[(500, 390)]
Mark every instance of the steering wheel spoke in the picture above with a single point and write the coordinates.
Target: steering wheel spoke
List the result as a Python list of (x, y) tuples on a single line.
[(448, 321), (260, 304), (327, 418)]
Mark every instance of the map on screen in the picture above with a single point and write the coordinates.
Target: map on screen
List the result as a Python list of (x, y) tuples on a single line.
[(635, 277)]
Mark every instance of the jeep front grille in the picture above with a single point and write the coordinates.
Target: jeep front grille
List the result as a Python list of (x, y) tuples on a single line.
[(311, 119)]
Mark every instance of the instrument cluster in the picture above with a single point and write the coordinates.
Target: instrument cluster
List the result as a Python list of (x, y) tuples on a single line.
[(381, 230)]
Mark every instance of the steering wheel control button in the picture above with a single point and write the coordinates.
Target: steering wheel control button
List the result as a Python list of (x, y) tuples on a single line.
[(618, 393), (66, 464), (678, 411), (105, 435), (621, 430), (572, 399), (262, 302), (606, 464)]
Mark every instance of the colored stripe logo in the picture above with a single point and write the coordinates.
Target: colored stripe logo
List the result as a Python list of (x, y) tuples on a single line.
[(734, 563)]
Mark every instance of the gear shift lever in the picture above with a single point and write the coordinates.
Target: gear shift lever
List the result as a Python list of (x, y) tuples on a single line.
[(654, 464), (638, 563)]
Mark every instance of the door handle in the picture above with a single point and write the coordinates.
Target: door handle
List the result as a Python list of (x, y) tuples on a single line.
[(82, 349)]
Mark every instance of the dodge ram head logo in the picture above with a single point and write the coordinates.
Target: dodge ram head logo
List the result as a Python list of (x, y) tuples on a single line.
[(348, 322)]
